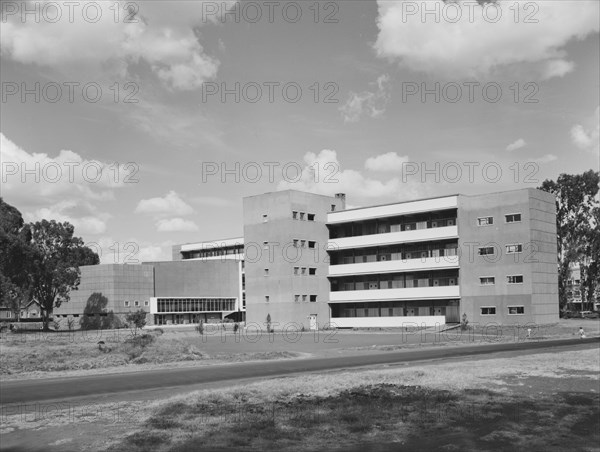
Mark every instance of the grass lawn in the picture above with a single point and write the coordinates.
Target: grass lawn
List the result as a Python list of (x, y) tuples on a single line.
[(537, 402), (500, 404)]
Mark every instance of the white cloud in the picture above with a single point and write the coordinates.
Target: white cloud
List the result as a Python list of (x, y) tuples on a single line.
[(545, 159), (358, 187), (587, 137), (130, 251), (176, 225), (370, 103), (39, 184), (84, 217), (475, 46), (516, 145), (162, 35), (388, 162), (170, 204)]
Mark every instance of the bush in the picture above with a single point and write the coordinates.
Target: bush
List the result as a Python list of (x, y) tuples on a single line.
[(200, 328)]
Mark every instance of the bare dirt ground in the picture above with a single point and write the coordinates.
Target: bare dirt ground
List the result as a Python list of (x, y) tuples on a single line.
[(544, 401), (46, 355)]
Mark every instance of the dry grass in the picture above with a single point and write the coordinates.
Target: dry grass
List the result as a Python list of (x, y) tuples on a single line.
[(34, 356), (470, 405)]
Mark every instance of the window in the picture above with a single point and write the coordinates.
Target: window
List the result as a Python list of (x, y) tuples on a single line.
[(294, 215), (126, 304), (303, 270), (312, 271), (136, 303), (313, 298), (515, 279), (302, 243), (486, 250), (296, 270), (304, 297), (302, 215), (296, 298), (295, 242), (265, 218), (488, 310), (266, 272), (311, 243), (311, 217), (333, 207), (514, 248), (146, 303), (513, 218), (485, 221), (267, 298), (512, 310), (265, 245), (487, 280)]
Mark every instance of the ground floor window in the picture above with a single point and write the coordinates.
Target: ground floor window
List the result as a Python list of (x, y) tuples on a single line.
[(412, 308), (488, 310), (512, 310)]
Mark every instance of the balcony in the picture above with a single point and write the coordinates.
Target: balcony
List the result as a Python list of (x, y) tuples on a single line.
[(408, 293), (394, 266), (390, 238)]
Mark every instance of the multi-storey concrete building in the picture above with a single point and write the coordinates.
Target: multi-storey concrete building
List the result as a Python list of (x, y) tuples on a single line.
[(306, 261), (285, 237), (490, 257)]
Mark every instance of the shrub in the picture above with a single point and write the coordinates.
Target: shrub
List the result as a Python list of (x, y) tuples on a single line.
[(200, 328), (464, 323)]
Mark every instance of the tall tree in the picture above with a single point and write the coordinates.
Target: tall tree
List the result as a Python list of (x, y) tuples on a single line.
[(16, 256), (56, 272), (577, 227)]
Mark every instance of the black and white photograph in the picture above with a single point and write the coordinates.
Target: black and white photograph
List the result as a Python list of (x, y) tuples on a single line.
[(300, 226)]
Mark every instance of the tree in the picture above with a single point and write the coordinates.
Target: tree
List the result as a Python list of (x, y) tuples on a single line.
[(136, 321), (55, 271), (268, 323), (577, 227), (16, 256)]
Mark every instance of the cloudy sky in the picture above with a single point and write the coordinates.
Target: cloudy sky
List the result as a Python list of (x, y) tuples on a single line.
[(145, 123)]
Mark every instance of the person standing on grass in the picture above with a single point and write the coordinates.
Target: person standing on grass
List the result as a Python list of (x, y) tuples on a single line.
[(581, 332)]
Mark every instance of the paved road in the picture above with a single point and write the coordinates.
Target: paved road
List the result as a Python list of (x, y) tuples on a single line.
[(24, 391)]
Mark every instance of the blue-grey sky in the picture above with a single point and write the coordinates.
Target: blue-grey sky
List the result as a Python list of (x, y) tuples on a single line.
[(399, 99)]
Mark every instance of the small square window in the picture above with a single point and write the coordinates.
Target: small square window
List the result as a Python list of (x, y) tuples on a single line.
[(313, 298), (126, 304), (515, 279), (302, 215), (513, 218), (296, 270), (512, 310), (486, 251), (302, 243), (294, 215), (312, 243), (304, 297), (266, 272), (485, 221), (514, 248), (295, 243), (265, 245), (136, 303), (311, 217), (333, 207), (146, 303), (303, 270), (296, 298), (312, 271), (267, 298), (488, 310)]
